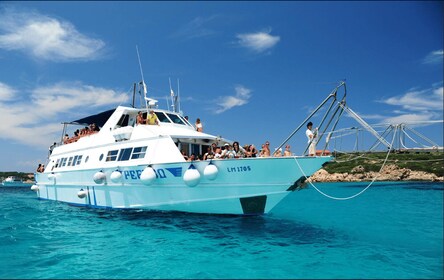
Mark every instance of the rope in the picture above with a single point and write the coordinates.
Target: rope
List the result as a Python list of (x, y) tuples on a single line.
[(357, 194)]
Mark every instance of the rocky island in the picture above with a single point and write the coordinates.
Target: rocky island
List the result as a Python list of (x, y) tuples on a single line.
[(390, 172), (399, 167)]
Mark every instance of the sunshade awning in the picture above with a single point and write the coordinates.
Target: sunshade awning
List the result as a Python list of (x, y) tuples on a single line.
[(99, 119)]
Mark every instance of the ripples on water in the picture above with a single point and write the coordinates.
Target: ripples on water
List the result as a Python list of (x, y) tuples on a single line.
[(391, 231)]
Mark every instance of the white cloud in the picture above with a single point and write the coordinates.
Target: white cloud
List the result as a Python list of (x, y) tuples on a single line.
[(429, 99), (409, 118), (37, 121), (417, 105), (6, 92), (259, 41), (196, 28), (242, 97), (435, 57), (46, 38)]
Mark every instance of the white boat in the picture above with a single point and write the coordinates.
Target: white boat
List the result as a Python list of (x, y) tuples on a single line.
[(13, 181), (138, 166)]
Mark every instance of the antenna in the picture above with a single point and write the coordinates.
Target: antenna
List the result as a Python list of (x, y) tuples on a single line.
[(172, 97), (141, 73), (178, 96)]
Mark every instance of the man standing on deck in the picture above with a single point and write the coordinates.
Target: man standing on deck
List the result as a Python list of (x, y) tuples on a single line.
[(311, 136)]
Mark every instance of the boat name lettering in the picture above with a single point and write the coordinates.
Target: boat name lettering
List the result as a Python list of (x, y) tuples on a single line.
[(239, 169), (135, 174)]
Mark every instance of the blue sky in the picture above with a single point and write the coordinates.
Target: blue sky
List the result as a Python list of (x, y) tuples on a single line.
[(251, 71)]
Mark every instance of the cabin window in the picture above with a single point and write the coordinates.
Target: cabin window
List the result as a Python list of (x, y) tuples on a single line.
[(138, 152), (74, 161), (112, 155), (70, 161), (175, 118), (184, 120), (123, 120), (57, 163), (63, 162), (125, 154), (162, 118), (79, 160)]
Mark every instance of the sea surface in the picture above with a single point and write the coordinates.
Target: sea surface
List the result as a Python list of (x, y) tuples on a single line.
[(393, 230)]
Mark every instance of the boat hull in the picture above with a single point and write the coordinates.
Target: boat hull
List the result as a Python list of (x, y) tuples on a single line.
[(240, 186)]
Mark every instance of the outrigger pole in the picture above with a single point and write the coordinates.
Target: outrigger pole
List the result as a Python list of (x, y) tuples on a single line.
[(339, 109), (331, 95)]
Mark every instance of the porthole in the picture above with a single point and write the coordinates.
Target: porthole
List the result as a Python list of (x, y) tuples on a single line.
[(101, 157), (86, 159)]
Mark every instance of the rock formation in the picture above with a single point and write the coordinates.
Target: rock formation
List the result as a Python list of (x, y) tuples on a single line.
[(390, 172)]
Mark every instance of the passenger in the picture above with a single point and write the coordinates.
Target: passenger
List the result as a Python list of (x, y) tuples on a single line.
[(84, 131), (54, 145), (266, 150), (218, 153), (238, 150), (228, 152), (39, 167), (140, 119), (66, 139), (151, 119), (262, 150), (287, 152), (278, 153), (251, 151), (199, 126), (95, 127), (75, 137), (311, 137), (213, 147), (184, 155), (209, 154), (192, 157)]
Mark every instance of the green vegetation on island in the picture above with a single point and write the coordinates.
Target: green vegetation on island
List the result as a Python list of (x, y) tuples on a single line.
[(430, 162)]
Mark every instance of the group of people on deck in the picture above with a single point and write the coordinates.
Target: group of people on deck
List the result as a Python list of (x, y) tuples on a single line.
[(87, 130), (235, 150)]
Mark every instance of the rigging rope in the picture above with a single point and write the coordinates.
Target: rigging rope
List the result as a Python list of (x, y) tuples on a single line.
[(357, 194)]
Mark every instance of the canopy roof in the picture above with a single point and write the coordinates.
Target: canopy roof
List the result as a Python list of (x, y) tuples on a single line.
[(99, 119)]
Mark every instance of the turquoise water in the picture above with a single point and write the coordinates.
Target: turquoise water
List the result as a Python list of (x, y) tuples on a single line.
[(393, 230)]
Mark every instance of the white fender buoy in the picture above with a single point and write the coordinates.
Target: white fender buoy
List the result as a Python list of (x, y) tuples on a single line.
[(99, 177), (191, 177), (82, 193), (211, 171), (116, 176), (34, 188), (148, 175)]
